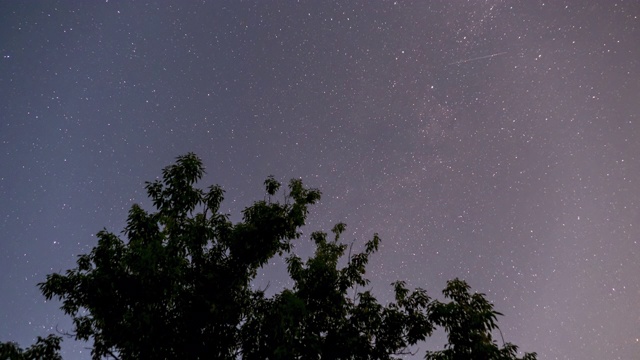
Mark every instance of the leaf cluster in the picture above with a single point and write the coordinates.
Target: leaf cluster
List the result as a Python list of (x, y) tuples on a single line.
[(178, 286), (318, 319), (45, 348), (469, 320)]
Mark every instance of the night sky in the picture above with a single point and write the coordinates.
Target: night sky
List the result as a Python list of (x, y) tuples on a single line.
[(496, 141)]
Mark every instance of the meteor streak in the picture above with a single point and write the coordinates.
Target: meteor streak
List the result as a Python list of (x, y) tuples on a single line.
[(477, 58)]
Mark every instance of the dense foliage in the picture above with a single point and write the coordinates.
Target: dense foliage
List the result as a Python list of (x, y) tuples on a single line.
[(45, 348), (179, 287)]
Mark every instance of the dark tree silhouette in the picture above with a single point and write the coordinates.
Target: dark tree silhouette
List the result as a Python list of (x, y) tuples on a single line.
[(179, 287), (45, 348)]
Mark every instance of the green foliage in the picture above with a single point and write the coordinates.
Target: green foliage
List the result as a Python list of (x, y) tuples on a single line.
[(317, 318), (469, 320), (45, 348), (179, 287)]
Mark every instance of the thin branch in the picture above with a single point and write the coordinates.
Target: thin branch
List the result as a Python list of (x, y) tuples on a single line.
[(65, 333), (355, 289), (112, 354), (350, 247), (406, 351), (501, 337)]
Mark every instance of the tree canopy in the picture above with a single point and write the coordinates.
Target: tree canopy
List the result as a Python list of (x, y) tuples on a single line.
[(45, 348), (179, 286)]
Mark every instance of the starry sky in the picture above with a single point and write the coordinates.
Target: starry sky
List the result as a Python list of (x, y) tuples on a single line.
[(495, 141)]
